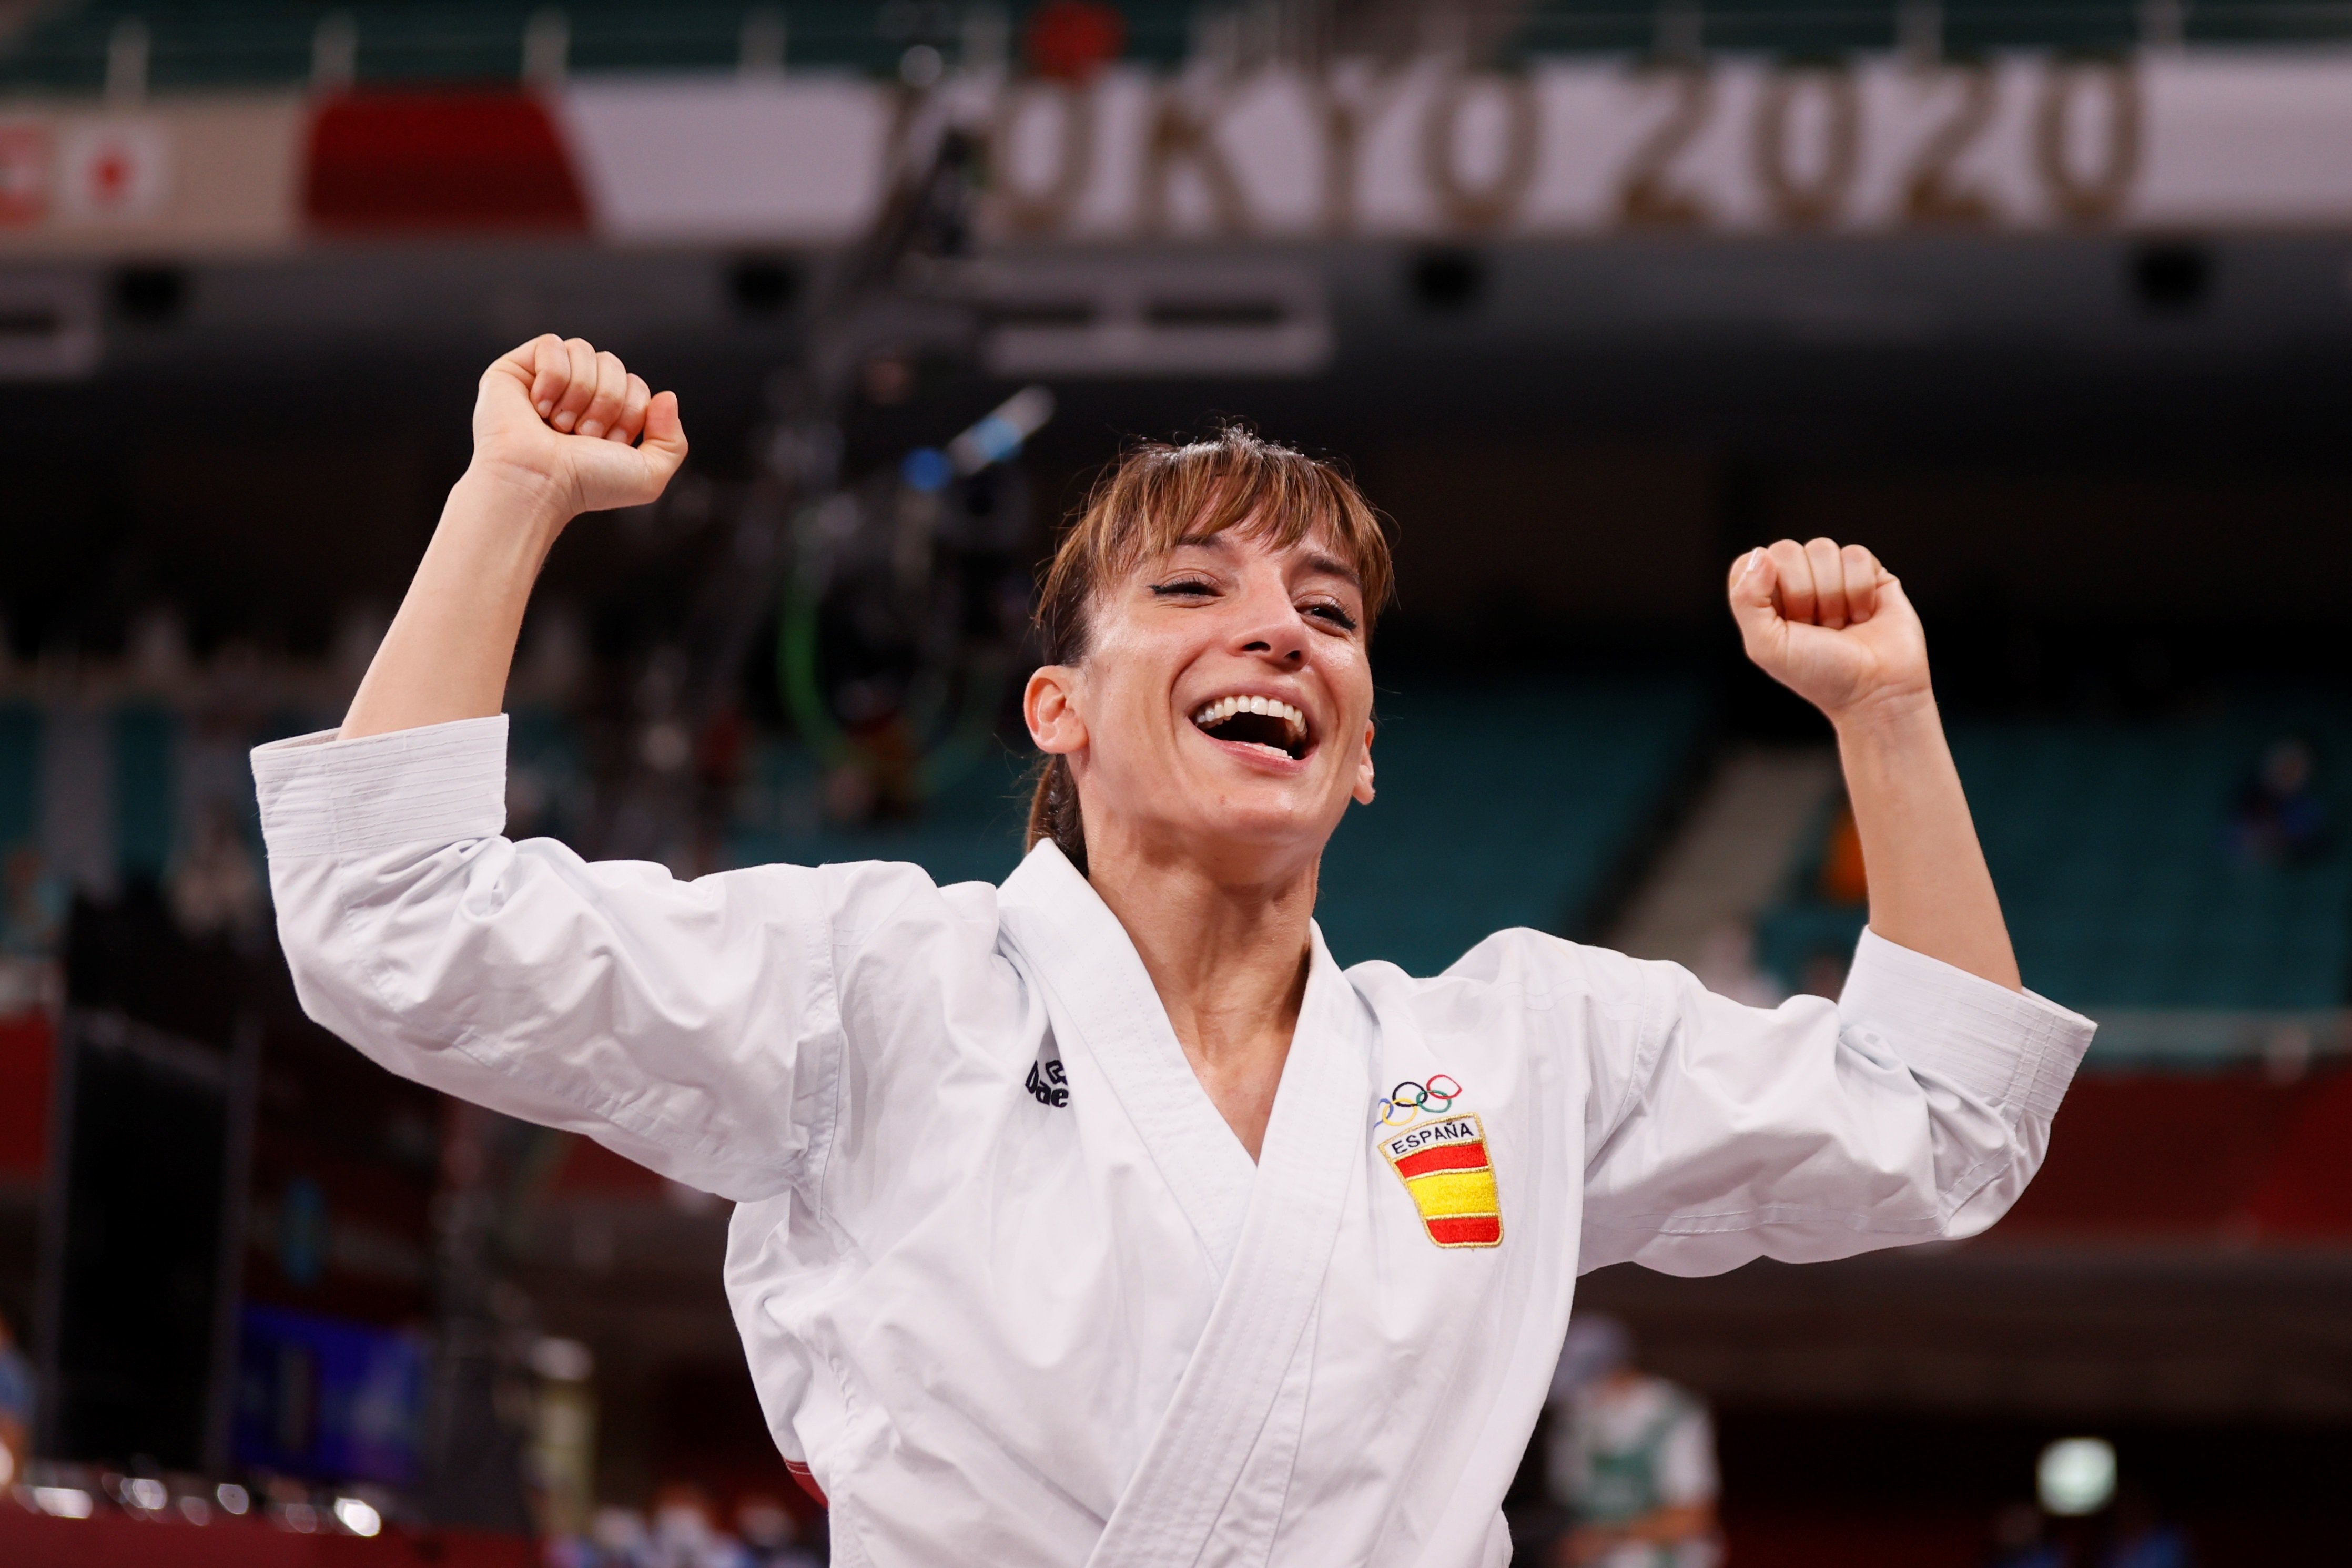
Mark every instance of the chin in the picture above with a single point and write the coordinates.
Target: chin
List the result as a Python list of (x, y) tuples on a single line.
[(1240, 819), (1270, 824)]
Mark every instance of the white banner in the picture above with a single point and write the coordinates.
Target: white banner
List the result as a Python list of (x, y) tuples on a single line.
[(190, 177), (699, 160), (1572, 148)]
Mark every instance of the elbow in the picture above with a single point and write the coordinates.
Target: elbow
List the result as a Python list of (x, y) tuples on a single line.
[(1988, 1192), (343, 957), (336, 925), (323, 958), (309, 913)]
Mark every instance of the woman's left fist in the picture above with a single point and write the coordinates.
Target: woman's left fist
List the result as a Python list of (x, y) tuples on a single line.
[(1831, 624)]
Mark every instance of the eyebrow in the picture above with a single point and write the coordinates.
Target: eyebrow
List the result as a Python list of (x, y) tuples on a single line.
[(1331, 566), (1320, 563)]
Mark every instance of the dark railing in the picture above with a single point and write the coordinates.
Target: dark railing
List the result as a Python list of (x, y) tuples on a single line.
[(1959, 28), (122, 45)]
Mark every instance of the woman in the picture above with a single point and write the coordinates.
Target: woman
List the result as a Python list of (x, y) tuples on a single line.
[(1100, 1218)]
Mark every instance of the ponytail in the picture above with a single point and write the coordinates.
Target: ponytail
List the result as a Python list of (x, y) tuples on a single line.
[(1054, 811)]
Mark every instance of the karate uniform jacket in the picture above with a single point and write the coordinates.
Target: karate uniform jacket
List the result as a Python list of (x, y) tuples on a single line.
[(1009, 1288)]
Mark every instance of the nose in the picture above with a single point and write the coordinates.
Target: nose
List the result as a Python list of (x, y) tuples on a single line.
[(1270, 626)]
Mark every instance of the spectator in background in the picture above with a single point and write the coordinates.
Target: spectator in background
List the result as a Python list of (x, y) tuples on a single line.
[(1843, 880), (2278, 818), (770, 1535), (32, 918), (616, 1539), (216, 886), (685, 1532), (15, 1408), (34, 912), (1632, 1459)]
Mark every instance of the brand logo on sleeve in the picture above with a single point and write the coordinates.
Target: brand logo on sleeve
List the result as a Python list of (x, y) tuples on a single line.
[(1443, 1164)]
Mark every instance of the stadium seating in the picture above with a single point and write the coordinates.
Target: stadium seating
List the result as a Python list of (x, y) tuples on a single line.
[(971, 832), (216, 43), (2110, 846), (146, 802), (1503, 808), (1499, 808), (1963, 27)]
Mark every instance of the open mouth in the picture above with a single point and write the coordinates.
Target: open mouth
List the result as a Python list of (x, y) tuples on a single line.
[(1265, 722)]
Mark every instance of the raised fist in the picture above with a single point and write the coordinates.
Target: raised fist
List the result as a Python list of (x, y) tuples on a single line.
[(557, 416), (1830, 623)]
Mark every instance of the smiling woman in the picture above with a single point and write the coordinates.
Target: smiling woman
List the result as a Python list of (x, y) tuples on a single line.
[(1207, 702), (1161, 497), (1100, 1218)]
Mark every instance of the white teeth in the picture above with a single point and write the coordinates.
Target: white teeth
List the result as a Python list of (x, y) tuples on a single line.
[(1224, 708)]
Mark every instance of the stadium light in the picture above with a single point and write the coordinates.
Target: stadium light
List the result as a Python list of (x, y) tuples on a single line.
[(2077, 1476), (62, 1503), (358, 1516)]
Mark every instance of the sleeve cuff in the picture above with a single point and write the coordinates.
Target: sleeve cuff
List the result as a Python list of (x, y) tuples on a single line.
[(2015, 1050), (442, 783)]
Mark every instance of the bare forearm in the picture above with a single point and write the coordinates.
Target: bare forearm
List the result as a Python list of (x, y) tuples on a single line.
[(451, 646), (557, 429), (1929, 888)]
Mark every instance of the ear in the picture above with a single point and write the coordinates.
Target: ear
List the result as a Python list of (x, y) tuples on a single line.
[(1048, 704), (1363, 790)]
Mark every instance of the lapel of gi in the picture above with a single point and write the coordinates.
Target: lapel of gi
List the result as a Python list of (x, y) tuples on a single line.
[(1309, 1158), (1096, 985)]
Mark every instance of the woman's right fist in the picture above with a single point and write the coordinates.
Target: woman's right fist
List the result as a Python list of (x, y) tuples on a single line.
[(557, 416)]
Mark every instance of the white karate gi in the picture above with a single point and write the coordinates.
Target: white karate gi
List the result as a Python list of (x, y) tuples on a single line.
[(1014, 1315)]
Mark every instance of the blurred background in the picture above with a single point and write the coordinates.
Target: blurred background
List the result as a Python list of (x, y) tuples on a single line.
[(2048, 303)]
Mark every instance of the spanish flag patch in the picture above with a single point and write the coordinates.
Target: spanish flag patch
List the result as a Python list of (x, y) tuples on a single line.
[(1443, 1164)]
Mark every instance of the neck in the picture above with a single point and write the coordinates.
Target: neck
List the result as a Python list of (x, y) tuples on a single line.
[(1228, 957)]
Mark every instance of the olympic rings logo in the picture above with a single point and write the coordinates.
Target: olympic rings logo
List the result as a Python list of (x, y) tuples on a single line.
[(1409, 1099)]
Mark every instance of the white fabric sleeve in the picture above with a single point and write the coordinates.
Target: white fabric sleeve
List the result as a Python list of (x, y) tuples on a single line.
[(689, 1026), (1916, 1108)]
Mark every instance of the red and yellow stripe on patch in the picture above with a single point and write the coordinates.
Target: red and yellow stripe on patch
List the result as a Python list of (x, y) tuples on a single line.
[(1443, 1164)]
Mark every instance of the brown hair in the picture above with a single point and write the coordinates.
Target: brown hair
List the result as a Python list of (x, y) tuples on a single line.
[(1141, 507)]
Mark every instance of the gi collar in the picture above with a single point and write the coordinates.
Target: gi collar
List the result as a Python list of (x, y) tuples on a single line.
[(1269, 1229), (1098, 988)]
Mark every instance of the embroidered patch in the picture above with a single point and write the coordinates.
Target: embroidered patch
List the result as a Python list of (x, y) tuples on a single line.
[(1409, 1099), (1443, 1164)]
